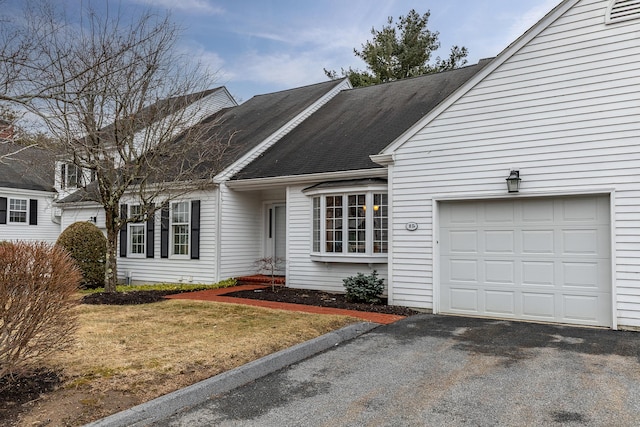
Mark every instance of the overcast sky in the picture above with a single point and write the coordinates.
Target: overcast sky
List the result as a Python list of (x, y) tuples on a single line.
[(261, 46)]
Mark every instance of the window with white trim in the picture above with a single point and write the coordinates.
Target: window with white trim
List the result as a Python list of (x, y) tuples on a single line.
[(350, 224), (137, 231), (18, 210), (180, 227), (69, 176)]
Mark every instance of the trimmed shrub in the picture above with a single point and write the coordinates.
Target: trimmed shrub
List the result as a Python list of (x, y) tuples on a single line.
[(364, 288), (88, 247), (38, 286)]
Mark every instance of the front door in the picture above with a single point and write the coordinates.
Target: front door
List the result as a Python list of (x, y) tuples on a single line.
[(276, 236)]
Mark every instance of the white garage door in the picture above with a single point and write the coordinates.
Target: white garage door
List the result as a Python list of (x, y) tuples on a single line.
[(542, 259)]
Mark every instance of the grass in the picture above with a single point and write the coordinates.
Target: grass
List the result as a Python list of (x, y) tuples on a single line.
[(167, 287), (127, 355)]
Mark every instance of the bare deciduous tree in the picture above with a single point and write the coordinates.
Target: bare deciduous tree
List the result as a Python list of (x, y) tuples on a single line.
[(124, 104)]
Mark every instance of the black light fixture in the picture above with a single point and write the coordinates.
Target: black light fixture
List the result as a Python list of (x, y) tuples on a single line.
[(513, 182)]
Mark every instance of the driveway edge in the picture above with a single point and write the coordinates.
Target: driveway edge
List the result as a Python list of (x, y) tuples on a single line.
[(169, 404)]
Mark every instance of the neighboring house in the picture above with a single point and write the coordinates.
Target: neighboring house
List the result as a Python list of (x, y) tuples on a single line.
[(27, 194)]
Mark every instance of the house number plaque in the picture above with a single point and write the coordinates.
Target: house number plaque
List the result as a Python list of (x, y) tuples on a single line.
[(411, 226)]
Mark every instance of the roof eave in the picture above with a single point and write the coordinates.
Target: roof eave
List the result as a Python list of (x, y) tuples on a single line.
[(270, 182)]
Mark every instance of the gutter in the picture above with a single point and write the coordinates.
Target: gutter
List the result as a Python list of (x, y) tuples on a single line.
[(264, 183)]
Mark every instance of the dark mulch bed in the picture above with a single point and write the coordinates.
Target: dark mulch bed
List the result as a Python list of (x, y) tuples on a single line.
[(279, 294), (16, 392), (320, 299), (126, 298)]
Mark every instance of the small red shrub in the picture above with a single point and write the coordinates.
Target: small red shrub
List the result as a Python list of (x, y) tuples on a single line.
[(38, 283)]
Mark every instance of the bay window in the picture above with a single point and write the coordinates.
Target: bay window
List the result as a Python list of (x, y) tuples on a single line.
[(349, 225)]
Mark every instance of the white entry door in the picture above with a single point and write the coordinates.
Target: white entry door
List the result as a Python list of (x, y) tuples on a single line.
[(276, 238), (541, 259)]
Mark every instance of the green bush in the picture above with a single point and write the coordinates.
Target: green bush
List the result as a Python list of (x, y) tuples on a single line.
[(88, 247), (363, 288)]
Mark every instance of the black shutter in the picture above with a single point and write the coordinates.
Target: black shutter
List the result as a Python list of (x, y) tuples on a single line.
[(123, 231), (151, 223), (33, 212), (63, 175), (195, 229), (3, 210), (164, 232)]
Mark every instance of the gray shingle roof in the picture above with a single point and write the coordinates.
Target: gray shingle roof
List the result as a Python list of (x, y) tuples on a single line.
[(29, 169), (356, 123), (252, 122)]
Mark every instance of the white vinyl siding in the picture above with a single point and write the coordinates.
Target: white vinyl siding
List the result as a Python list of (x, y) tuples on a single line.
[(180, 268), (302, 271), (241, 233), (46, 230), (564, 112)]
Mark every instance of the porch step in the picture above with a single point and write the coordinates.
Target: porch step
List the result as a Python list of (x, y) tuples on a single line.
[(260, 279)]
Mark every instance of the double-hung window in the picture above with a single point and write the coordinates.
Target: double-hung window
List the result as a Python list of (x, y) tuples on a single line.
[(70, 176), (18, 211), (349, 225), (137, 242), (180, 227)]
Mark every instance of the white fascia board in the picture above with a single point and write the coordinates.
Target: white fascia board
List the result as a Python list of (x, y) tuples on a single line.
[(502, 57), (87, 204), (26, 192), (264, 183), (260, 148), (224, 89), (383, 159)]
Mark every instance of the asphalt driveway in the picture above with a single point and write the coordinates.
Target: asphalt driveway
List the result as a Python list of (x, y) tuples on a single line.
[(446, 371)]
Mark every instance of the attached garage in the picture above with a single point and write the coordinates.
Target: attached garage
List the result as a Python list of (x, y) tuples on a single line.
[(538, 259)]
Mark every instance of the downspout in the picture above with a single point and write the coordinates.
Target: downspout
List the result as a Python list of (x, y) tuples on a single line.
[(218, 231)]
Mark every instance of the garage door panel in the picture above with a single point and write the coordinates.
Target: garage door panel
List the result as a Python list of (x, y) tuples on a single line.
[(464, 300), (499, 272), (580, 242), (463, 270), (463, 241), (501, 212), (580, 308), (579, 210), (500, 302), (499, 242), (538, 273), (542, 259), (538, 242), (538, 305), (581, 275), (537, 211)]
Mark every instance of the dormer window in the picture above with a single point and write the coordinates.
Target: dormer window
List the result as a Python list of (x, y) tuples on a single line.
[(622, 10), (69, 176)]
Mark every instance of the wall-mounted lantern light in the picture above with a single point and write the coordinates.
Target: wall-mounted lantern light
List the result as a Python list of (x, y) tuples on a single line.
[(513, 182)]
